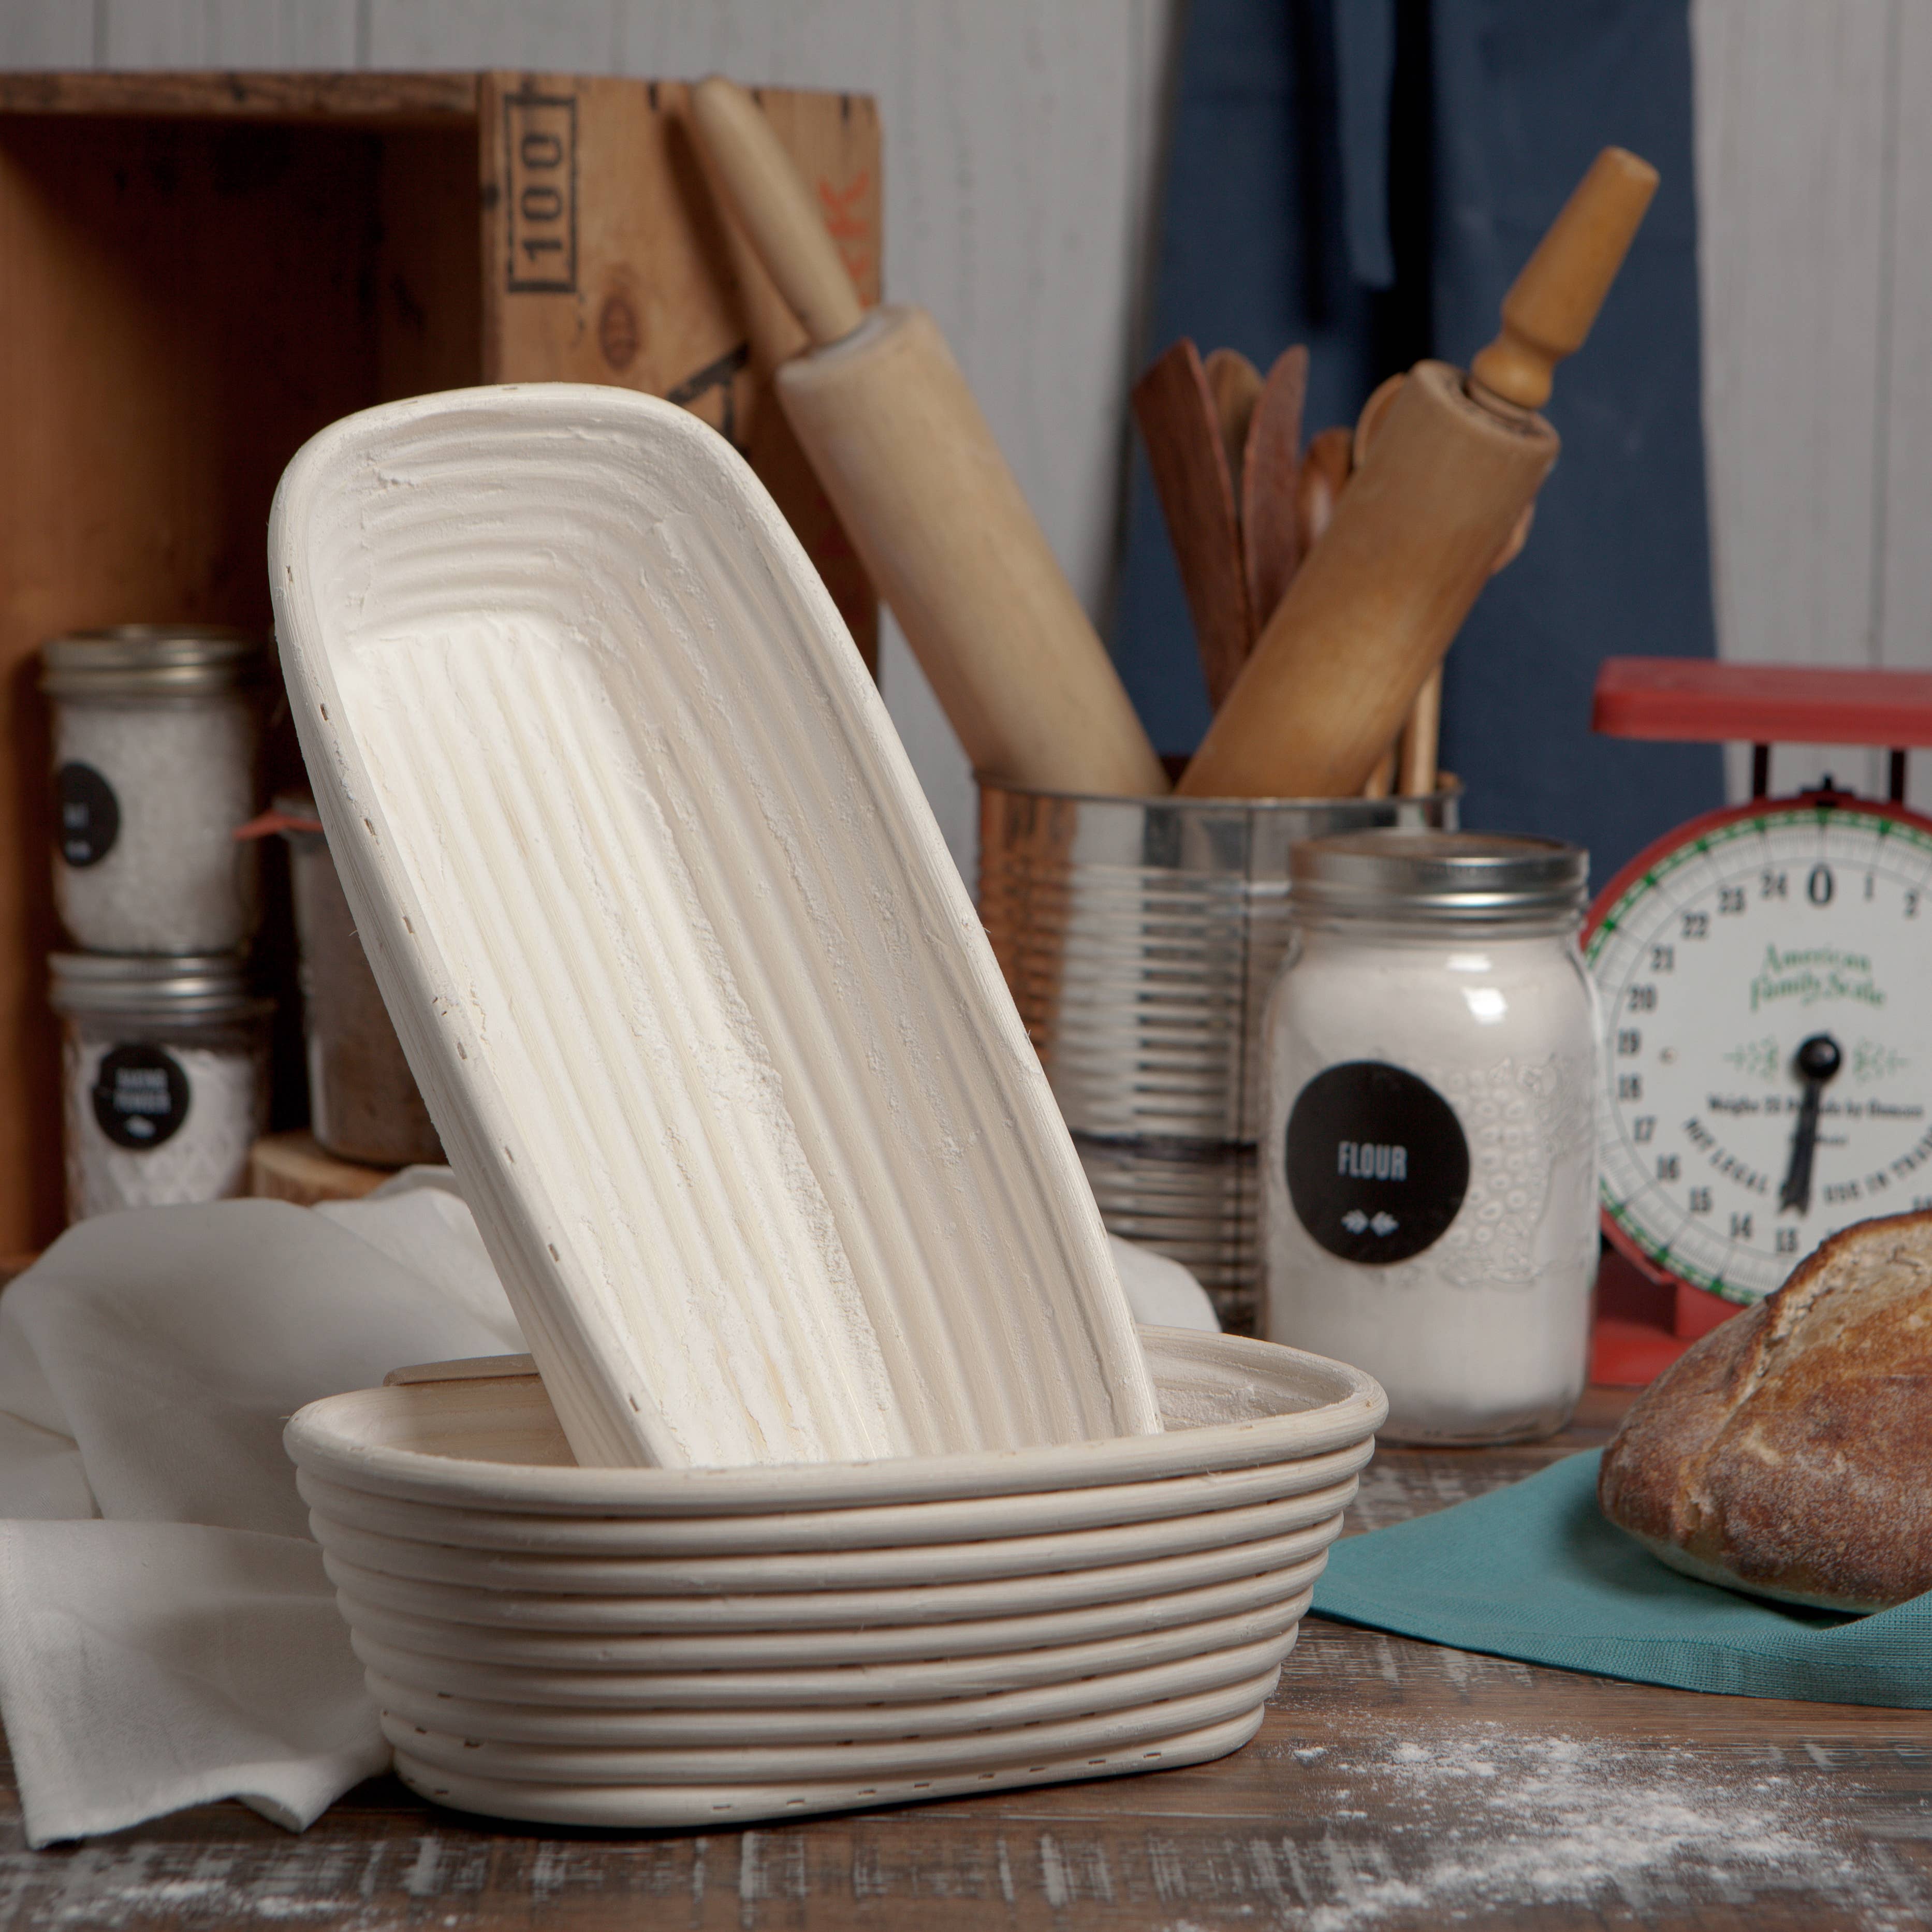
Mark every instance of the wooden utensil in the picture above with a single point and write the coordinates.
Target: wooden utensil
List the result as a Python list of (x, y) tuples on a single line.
[(910, 465), (1332, 457), (1370, 419), (1421, 731), (1324, 469), (1235, 384), (1374, 408), (1394, 768), (1181, 427), (1412, 760), (1453, 464), (1270, 473)]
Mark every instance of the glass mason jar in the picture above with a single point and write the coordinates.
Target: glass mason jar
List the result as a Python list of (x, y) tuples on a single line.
[(363, 1103), (1430, 1184), (156, 732), (164, 1078)]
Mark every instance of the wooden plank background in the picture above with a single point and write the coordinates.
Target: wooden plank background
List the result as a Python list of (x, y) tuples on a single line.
[(1022, 141)]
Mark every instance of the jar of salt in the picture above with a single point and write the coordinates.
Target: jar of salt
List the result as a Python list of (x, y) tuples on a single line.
[(1429, 1169), (155, 732), (164, 1078)]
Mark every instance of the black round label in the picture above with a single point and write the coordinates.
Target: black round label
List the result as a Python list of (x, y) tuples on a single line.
[(87, 815), (1377, 1163), (140, 1096)]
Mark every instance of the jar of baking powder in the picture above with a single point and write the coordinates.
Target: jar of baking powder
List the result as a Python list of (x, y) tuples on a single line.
[(1430, 1170), (155, 731), (164, 1076)]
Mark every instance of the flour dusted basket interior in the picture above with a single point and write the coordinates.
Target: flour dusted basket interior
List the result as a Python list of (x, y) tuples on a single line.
[(702, 1012), (684, 1647)]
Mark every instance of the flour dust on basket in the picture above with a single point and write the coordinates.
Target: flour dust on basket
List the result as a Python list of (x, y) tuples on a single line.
[(719, 1050)]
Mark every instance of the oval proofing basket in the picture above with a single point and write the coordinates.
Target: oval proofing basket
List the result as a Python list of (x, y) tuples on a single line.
[(658, 1647)]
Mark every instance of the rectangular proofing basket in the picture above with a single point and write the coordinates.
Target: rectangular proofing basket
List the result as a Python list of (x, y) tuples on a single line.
[(700, 1008)]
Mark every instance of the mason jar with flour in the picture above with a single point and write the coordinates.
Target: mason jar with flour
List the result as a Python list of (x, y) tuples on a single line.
[(1430, 1171), (164, 1078), (156, 729)]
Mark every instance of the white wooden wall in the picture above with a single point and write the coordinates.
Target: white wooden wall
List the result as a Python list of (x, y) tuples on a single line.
[(1814, 176), (1020, 160), (1022, 139)]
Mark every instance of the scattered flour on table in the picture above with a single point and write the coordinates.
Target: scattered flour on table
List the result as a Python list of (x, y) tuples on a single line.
[(1490, 1819)]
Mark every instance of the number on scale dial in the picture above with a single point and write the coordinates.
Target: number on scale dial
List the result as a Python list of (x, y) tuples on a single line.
[(1766, 980)]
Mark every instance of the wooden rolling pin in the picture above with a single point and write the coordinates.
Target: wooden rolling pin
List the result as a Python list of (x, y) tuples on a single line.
[(912, 469), (1453, 464)]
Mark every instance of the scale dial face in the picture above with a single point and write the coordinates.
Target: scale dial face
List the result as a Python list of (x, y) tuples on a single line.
[(1766, 981)]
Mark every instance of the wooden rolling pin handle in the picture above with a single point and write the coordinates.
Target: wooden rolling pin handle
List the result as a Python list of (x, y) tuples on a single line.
[(915, 475), (1367, 616), (1549, 310), (776, 208)]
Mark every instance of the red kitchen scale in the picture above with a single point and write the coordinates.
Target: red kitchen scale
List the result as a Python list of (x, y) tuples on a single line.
[(1766, 977)]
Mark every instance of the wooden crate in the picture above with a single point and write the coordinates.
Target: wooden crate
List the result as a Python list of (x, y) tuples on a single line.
[(198, 271)]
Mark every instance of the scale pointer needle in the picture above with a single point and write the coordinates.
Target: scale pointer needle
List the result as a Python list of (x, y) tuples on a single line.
[(1819, 1059)]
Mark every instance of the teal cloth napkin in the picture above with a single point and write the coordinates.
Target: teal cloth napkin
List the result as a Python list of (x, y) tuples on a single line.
[(1534, 1571)]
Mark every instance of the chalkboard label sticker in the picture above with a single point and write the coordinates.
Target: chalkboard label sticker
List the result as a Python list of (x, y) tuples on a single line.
[(1377, 1164), (87, 815), (140, 1097)]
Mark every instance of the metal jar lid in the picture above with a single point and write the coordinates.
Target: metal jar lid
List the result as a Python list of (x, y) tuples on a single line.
[(1446, 877), (178, 986), (152, 660)]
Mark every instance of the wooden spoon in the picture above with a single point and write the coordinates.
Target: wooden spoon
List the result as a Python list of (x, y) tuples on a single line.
[(1182, 428)]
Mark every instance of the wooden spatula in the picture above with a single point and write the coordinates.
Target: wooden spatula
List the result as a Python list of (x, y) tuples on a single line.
[(1324, 469), (1175, 409), (1271, 471), (1235, 384)]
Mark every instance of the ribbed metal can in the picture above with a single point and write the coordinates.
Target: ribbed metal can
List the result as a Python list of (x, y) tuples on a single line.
[(1140, 938)]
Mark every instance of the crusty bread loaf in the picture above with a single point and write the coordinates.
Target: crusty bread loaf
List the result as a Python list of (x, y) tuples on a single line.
[(1788, 1453)]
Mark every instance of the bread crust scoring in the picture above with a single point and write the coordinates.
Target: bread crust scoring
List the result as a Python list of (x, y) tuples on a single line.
[(1788, 1450)]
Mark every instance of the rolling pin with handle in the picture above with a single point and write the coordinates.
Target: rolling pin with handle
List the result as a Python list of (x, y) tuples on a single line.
[(907, 458), (1454, 463)]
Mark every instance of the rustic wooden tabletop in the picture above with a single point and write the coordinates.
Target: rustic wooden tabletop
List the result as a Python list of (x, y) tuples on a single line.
[(1394, 1784)]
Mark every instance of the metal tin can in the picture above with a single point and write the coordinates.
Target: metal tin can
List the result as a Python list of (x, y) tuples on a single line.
[(156, 732), (1140, 937), (164, 1064)]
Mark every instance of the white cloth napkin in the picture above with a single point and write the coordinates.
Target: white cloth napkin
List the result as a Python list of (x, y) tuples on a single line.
[(167, 1636)]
